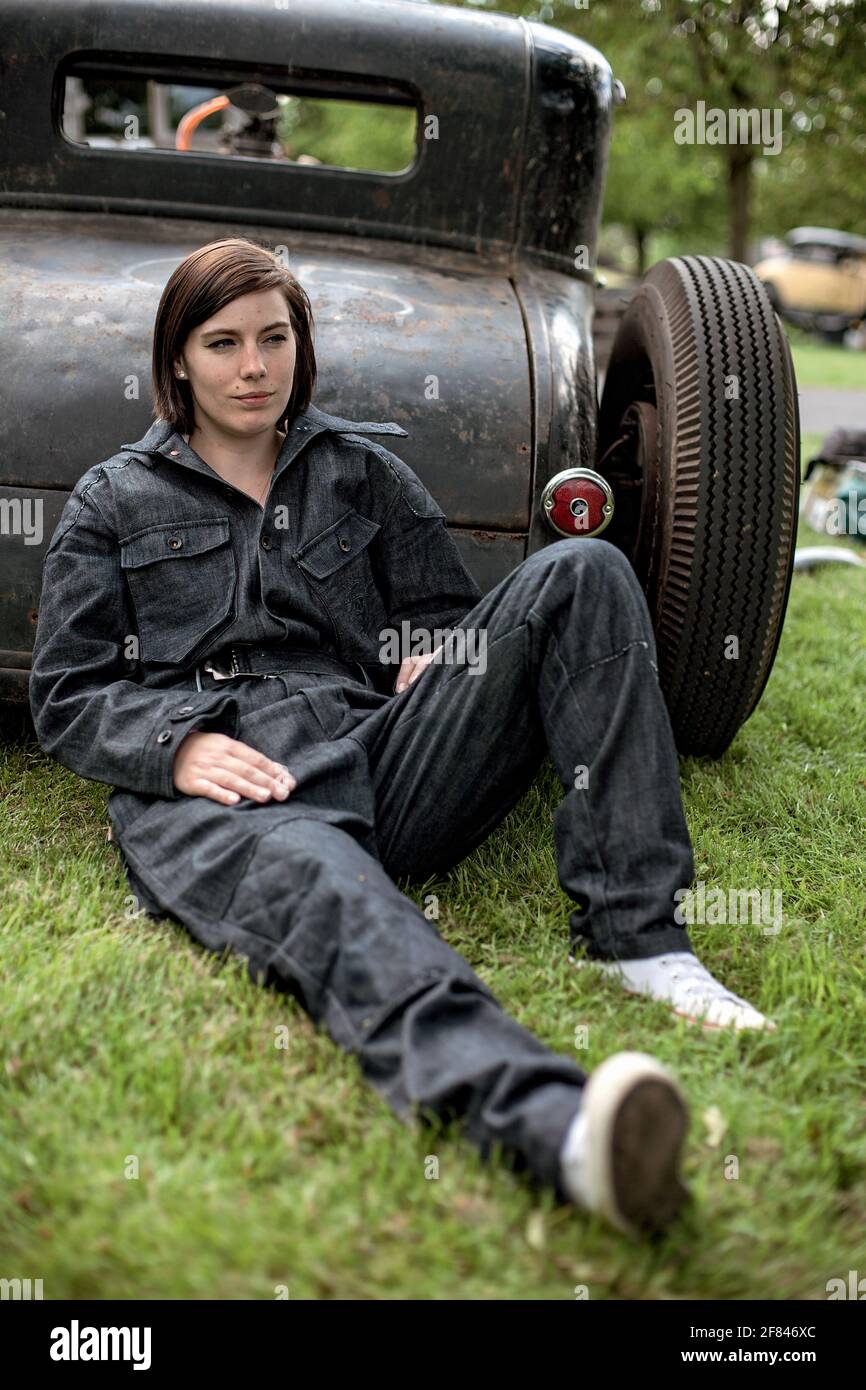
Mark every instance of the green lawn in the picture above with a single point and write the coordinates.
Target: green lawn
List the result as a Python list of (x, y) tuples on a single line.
[(124, 1043), (818, 363)]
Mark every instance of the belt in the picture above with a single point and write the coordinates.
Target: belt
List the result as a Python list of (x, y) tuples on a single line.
[(265, 662)]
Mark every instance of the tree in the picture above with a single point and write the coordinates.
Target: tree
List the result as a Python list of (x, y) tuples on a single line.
[(802, 59)]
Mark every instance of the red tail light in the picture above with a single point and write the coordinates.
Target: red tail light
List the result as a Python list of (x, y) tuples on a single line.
[(578, 502)]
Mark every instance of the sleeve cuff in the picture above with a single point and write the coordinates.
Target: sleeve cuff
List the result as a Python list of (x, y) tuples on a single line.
[(213, 712)]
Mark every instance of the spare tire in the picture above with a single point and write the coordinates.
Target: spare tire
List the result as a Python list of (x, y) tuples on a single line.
[(699, 437)]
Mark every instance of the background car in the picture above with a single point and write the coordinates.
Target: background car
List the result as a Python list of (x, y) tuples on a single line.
[(819, 280)]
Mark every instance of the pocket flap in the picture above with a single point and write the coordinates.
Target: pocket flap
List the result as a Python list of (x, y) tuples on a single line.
[(173, 541), (337, 545)]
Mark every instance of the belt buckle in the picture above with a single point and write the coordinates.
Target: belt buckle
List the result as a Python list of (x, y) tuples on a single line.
[(217, 673)]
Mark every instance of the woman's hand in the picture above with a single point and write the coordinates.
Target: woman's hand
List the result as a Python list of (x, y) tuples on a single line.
[(225, 769), (411, 669)]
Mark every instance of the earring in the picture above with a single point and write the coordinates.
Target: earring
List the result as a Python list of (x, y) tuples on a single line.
[(181, 373)]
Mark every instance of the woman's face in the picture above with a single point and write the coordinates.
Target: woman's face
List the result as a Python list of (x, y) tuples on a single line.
[(247, 346)]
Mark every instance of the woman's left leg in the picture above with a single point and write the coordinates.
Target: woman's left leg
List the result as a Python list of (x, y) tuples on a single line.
[(569, 669)]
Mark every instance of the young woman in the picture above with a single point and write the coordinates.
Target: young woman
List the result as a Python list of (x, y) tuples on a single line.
[(217, 597)]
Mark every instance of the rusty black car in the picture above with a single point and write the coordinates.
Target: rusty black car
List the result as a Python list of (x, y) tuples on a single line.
[(452, 272)]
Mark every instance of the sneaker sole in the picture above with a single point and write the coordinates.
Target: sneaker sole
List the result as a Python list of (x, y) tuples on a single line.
[(767, 1027), (637, 1122)]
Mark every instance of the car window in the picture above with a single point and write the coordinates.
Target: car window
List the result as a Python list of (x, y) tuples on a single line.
[(822, 255), (133, 112)]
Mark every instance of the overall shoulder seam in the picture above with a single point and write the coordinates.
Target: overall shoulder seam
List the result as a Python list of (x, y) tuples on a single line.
[(83, 496), (393, 460)]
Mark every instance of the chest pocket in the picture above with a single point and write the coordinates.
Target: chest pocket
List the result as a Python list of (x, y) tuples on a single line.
[(182, 577), (338, 565)]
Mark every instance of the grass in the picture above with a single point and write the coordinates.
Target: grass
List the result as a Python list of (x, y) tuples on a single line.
[(156, 1143), (823, 364)]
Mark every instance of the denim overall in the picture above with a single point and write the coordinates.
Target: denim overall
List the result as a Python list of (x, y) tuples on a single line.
[(172, 601)]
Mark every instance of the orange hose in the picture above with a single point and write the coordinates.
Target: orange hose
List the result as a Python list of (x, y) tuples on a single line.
[(195, 117)]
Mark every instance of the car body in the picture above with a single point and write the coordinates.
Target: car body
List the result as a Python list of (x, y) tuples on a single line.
[(477, 259)]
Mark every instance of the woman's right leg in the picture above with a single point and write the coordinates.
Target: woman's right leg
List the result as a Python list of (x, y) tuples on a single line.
[(317, 915)]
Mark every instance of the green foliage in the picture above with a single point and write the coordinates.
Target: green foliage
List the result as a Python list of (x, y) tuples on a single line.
[(804, 59), (349, 134)]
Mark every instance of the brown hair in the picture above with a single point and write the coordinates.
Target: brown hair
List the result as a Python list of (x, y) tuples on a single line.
[(200, 286)]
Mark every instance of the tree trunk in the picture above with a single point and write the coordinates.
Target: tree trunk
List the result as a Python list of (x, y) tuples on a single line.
[(739, 192), (640, 246)]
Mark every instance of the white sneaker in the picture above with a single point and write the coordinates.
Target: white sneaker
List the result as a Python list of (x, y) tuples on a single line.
[(678, 978), (620, 1156)]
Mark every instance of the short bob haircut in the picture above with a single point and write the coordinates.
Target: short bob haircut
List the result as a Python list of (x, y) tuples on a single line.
[(200, 286)]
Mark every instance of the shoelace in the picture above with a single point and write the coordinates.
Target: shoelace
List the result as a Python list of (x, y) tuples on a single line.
[(697, 977)]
